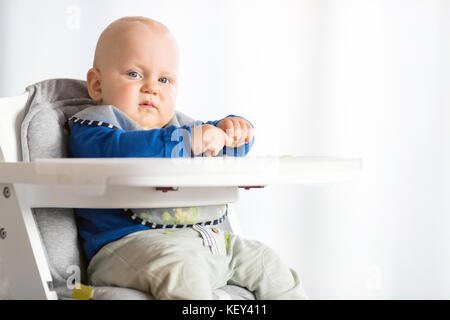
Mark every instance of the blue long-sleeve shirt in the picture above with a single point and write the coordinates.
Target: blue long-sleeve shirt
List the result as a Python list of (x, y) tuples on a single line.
[(98, 227)]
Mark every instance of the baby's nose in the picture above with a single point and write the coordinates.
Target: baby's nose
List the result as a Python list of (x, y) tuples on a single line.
[(149, 89)]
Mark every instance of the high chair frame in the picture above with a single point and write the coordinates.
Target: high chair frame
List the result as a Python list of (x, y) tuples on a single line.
[(121, 183)]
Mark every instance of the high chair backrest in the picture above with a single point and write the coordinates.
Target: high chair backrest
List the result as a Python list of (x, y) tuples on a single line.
[(12, 111)]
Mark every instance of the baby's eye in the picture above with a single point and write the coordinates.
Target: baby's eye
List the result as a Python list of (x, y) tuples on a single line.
[(163, 80), (133, 74)]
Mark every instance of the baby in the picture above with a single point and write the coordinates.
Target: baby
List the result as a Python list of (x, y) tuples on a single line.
[(170, 253)]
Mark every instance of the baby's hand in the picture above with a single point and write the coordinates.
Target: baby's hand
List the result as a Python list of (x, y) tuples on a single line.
[(237, 129), (208, 139)]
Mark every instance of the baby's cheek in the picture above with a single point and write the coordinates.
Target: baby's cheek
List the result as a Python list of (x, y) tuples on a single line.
[(169, 105), (172, 94)]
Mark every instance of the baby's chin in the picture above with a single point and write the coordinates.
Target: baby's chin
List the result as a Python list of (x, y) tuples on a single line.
[(154, 121), (149, 125)]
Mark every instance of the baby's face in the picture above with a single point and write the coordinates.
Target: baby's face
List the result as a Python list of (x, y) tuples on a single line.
[(139, 76)]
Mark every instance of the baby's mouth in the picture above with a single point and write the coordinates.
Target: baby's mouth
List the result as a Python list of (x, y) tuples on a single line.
[(147, 105)]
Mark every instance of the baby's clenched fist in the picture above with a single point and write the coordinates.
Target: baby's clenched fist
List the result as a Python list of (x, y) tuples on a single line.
[(208, 139), (237, 129)]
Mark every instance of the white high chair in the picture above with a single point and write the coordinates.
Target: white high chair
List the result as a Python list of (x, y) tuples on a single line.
[(120, 183)]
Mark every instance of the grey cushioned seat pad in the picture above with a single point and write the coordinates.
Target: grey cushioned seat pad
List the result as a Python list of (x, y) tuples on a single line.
[(43, 135)]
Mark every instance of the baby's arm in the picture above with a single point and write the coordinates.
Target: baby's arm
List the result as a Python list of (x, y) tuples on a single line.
[(103, 142)]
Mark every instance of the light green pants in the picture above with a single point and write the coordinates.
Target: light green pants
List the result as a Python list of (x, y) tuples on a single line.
[(175, 264)]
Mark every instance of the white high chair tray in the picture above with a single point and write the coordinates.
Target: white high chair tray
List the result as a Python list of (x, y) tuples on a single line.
[(182, 172), (146, 182)]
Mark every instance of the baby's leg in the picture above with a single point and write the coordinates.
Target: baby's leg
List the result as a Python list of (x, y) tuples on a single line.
[(167, 264), (259, 269)]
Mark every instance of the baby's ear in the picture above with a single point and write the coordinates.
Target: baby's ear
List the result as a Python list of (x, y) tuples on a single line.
[(94, 84)]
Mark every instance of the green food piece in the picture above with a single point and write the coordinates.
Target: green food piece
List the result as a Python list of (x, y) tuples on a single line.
[(168, 218), (227, 237), (145, 216)]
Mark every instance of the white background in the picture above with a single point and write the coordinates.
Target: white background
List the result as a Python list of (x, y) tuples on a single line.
[(345, 78)]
